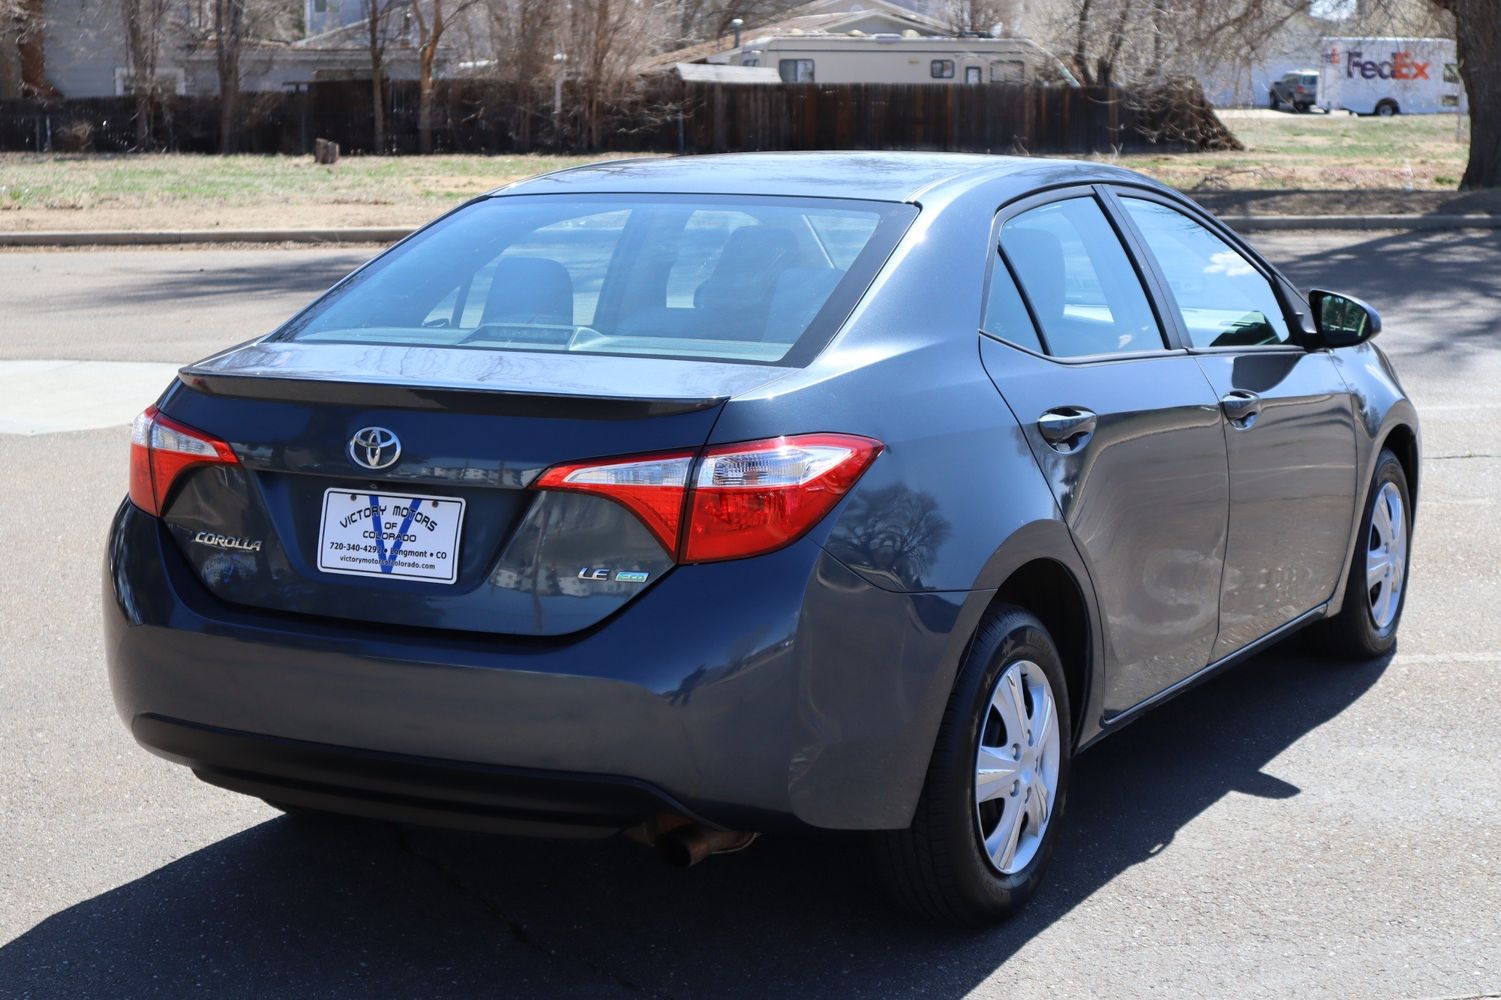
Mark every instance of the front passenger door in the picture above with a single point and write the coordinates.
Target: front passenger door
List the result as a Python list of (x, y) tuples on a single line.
[(1288, 423)]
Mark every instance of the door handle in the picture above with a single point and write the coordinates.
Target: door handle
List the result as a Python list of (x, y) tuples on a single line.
[(1066, 428), (1241, 408)]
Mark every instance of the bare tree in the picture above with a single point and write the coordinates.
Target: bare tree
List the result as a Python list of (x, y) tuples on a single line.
[(377, 19), (701, 20), (1477, 33), (432, 21), (229, 41), (976, 17), (605, 39), (523, 38), (18, 22), (145, 22)]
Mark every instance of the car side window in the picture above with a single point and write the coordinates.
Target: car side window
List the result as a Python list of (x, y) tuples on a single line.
[(1082, 288), (1006, 315), (1223, 299)]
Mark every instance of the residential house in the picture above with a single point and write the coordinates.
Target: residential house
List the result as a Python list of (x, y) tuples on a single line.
[(871, 41)]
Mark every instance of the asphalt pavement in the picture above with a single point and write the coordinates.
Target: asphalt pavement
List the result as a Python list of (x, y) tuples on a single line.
[(1294, 828)]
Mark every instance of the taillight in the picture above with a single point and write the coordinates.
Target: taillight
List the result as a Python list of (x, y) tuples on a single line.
[(756, 497), (651, 486), (160, 450), (745, 499)]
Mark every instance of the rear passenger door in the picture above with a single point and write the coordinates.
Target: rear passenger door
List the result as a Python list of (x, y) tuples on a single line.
[(1124, 426), (1288, 419)]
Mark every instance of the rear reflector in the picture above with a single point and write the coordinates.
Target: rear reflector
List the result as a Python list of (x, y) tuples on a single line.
[(745, 499), (161, 449)]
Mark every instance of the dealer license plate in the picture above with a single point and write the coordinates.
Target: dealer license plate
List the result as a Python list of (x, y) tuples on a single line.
[(393, 535)]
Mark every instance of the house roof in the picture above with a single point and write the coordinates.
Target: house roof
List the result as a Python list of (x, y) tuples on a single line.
[(712, 73), (820, 16)]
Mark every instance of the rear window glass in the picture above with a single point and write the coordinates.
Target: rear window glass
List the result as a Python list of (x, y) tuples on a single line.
[(756, 280)]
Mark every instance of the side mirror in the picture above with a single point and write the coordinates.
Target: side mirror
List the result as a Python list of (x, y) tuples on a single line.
[(1342, 320)]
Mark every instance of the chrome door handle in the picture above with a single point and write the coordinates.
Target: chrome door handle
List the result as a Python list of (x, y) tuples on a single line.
[(1066, 428), (1241, 408)]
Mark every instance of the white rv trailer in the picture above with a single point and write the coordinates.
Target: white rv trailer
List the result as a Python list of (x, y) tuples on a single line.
[(1389, 76), (859, 58)]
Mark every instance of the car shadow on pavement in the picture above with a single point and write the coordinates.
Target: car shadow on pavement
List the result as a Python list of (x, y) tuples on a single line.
[(198, 276), (342, 908)]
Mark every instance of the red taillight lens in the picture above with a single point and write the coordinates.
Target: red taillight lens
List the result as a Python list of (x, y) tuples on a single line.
[(160, 449), (651, 486), (756, 497), (746, 499)]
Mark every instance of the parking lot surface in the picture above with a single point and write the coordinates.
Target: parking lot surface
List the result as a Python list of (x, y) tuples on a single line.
[(1294, 828)]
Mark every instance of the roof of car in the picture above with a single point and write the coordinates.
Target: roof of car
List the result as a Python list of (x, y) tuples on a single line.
[(877, 176)]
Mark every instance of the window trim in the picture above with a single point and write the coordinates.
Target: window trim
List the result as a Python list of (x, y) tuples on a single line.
[(1301, 338), (1172, 342), (947, 65)]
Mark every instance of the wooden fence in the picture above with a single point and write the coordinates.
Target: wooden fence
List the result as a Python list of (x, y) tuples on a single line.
[(475, 116), (996, 118)]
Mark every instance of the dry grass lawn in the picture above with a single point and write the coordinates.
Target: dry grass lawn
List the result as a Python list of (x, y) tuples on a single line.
[(1318, 152), (169, 191), (173, 191)]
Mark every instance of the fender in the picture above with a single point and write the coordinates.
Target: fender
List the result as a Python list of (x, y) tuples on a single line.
[(1381, 407)]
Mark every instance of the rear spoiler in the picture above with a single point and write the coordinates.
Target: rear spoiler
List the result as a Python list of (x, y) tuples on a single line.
[(502, 383)]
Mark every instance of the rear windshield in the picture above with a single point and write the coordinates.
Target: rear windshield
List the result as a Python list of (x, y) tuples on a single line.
[(755, 280)]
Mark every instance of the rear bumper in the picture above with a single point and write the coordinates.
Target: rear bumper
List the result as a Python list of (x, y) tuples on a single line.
[(766, 692), (402, 788)]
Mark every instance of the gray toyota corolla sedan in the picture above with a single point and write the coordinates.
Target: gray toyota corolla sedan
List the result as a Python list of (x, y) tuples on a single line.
[(694, 498)]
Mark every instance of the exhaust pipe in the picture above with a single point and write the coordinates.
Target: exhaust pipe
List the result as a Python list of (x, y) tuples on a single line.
[(687, 845)]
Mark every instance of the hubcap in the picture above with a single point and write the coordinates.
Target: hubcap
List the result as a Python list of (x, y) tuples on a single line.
[(1386, 555), (1016, 767)]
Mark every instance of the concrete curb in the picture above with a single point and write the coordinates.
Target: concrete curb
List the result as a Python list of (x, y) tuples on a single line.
[(1269, 223), (390, 234), (165, 237)]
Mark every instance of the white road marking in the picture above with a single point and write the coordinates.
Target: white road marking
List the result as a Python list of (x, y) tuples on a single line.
[(48, 397)]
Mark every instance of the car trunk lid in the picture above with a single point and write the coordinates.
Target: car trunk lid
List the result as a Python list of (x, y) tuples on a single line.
[(448, 533)]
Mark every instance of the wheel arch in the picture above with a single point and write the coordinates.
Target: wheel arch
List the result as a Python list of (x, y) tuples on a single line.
[(1039, 570), (1402, 439), (1399, 432), (1045, 587)]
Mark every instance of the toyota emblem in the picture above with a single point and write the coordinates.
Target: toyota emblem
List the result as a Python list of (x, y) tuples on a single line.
[(374, 448)]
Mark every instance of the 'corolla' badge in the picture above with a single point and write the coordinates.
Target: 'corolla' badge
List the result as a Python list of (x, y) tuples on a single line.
[(374, 448)]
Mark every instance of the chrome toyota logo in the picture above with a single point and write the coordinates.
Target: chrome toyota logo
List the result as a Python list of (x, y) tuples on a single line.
[(374, 448)]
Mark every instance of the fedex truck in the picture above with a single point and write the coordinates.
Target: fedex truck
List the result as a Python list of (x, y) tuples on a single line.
[(1390, 76)]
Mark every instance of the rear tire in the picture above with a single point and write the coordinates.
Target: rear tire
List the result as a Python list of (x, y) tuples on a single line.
[(940, 867), (1366, 625), (1387, 109)]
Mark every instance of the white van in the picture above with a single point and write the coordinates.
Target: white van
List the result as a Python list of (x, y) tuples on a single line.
[(1390, 76)]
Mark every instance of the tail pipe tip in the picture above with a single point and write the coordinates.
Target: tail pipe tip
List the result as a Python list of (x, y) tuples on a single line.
[(685, 846)]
